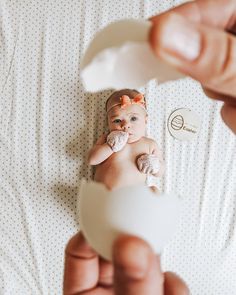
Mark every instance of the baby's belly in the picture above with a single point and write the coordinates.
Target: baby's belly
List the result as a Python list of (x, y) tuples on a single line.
[(116, 175)]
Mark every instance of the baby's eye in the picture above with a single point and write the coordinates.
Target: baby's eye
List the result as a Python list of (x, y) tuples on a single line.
[(134, 119), (117, 121)]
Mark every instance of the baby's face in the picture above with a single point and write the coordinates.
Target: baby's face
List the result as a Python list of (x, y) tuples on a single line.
[(131, 119)]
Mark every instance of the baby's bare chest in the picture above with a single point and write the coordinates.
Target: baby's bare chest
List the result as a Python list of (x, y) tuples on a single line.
[(121, 167), (129, 153)]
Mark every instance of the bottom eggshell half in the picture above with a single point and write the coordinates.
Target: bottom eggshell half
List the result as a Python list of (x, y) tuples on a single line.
[(132, 210)]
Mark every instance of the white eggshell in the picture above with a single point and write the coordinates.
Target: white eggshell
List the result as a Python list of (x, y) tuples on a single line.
[(132, 210), (119, 56), (115, 35)]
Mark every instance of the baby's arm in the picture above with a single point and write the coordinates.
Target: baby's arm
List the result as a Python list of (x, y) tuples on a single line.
[(151, 163), (107, 145), (100, 152)]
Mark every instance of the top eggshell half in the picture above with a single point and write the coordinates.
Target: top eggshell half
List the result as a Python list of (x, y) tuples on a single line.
[(115, 51), (115, 35)]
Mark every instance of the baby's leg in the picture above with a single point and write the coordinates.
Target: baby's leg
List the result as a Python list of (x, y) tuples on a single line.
[(155, 190)]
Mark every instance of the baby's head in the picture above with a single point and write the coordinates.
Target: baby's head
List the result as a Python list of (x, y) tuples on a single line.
[(126, 110)]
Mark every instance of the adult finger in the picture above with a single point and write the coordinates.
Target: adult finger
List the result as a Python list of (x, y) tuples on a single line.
[(218, 14), (137, 268), (81, 269), (219, 96), (205, 53), (106, 272), (174, 285), (228, 113)]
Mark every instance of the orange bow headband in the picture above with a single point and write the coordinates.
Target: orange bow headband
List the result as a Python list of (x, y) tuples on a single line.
[(126, 101)]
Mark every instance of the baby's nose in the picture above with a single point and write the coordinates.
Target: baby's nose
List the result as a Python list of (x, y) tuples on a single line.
[(126, 125)]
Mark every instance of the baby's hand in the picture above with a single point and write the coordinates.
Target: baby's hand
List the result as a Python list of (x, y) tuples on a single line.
[(148, 164), (117, 140)]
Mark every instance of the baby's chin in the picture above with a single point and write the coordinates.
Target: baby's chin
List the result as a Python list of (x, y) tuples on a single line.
[(133, 138)]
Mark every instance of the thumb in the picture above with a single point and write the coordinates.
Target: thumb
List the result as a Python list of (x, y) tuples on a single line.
[(205, 53), (137, 268)]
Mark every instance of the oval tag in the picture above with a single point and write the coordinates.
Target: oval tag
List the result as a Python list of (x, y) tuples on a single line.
[(183, 124)]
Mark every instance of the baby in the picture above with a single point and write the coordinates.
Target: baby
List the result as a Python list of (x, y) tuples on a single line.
[(125, 156)]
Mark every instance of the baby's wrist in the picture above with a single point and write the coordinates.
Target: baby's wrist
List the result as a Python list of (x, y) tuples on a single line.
[(110, 147)]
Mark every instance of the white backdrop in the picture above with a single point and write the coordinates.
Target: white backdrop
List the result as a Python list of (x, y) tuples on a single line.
[(47, 125)]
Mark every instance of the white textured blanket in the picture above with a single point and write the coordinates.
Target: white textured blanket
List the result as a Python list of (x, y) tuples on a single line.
[(47, 125)]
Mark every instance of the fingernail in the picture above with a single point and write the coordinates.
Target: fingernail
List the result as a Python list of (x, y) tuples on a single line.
[(181, 37)]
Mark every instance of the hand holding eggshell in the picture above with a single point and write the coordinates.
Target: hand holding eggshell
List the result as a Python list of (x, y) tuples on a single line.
[(136, 210)]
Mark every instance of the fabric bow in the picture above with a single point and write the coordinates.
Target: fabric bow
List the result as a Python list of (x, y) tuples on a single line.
[(126, 101)]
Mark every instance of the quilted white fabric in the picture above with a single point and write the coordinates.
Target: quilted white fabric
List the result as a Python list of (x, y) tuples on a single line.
[(47, 125)]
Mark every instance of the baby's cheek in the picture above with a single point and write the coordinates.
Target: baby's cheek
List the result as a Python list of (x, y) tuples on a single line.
[(114, 128)]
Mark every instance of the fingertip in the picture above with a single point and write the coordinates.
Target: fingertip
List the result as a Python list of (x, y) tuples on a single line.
[(158, 27), (72, 241), (174, 285), (154, 35), (154, 18), (224, 111), (175, 39), (78, 245), (126, 250), (136, 268), (80, 267), (228, 114)]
